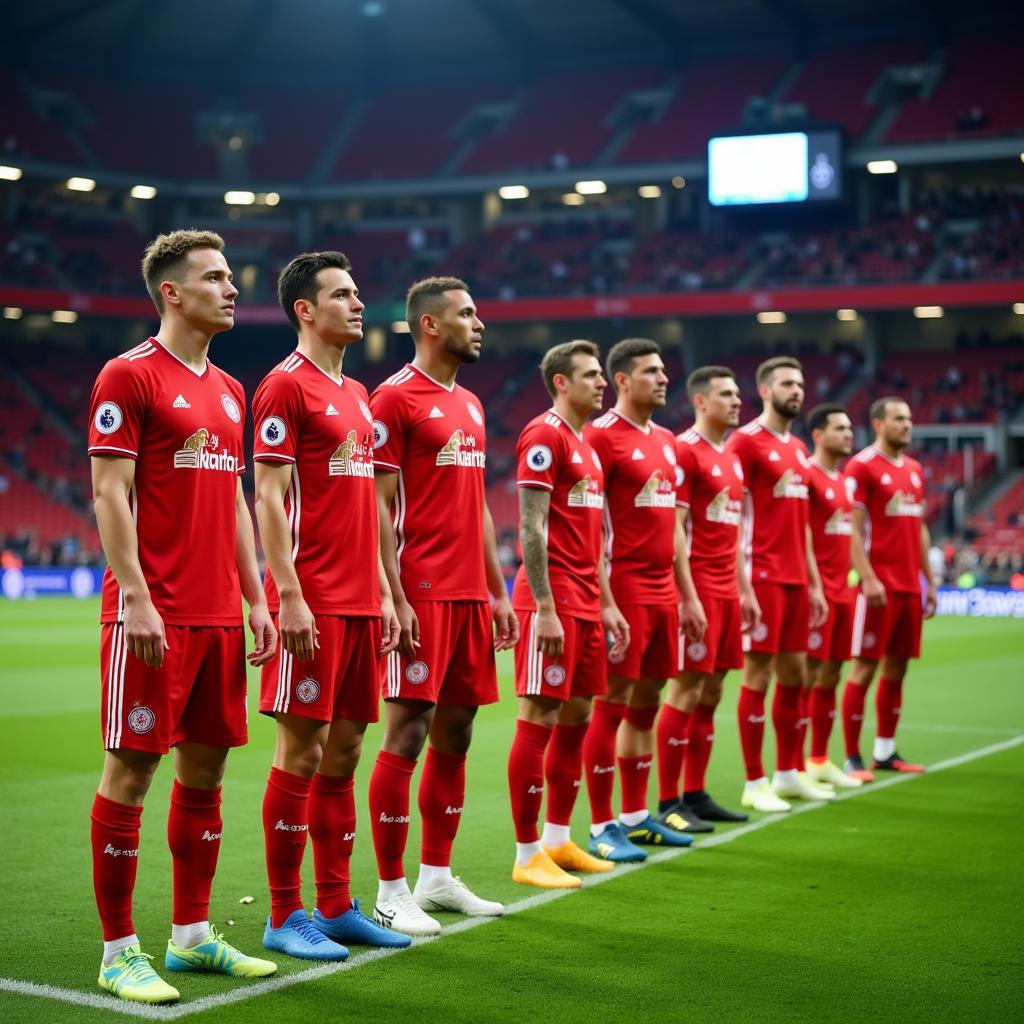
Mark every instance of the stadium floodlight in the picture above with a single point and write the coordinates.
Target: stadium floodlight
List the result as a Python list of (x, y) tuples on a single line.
[(678, 181), (771, 316), (514, 192), (846, 314), (239, 198), (591, 188), (399, 327), (271, 198), (12, 312), (64, 316), (882, 167), (928, 312), (573, 199), (143, 192), (1018, 308), (649, 191), (81, 184), (10, 173)]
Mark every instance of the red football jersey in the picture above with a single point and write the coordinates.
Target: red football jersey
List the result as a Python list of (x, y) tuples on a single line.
[(892, 496), (324, 428), (711, 487), (831, 515), (552, 456), (434, 438), (639, 517), (184, 431), (775, 472)]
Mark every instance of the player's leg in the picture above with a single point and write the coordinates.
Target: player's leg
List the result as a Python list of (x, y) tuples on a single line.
[(888, 705), (599, 745), (672, 737), (870, 628), (750, 710), (788, 782), (824, 682)]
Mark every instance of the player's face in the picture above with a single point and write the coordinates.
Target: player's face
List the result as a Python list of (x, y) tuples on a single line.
[(837, 435), (584, 387), (785, 391), (897, 429), (206, 295), (647, 382), (338, 311), (722, 403), (460, 328)]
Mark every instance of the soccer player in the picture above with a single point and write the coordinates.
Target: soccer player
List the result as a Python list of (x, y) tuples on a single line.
[(165, 442), (564, 605), (889, 550), (642, 547), (828, 645), (317, 510), (441, 559), (786, 583), (710, 499)]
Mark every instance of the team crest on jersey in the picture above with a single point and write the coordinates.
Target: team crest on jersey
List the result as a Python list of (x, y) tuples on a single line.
[(380, 434), (343, 461), (416, 672), (759, 633), (802, 459), (669, 452), (839, 524), (723, 509), (585, 493), (539, 457), (230, 406), (868, 640), (901, 504), (814, 640), (273, 431), (696, 650), (365, 410), (680, 476), (554, 675), (656, 493), (914, 478), (789, 486), (475, 413), (108, 418), (453, 453), (141, 720), (851, 487), (307, 691), (199, 451)]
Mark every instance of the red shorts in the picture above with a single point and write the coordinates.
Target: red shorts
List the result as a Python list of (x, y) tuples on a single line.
[(342, 680), (894, 628), (580, 672), (653, 642), (722, 646), (197, 695), (454, 663), (785, 612), (831, 640)]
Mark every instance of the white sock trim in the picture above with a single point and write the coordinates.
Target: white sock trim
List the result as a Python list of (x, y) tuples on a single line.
[(432, 875), (555, 835), (112, 949), (632, 818), (525, 852), (185, 936), (391, 887)]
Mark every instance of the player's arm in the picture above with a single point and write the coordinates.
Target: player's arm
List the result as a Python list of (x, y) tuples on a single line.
[(815, 590), (692, 619), (506, 625), (931, 595), (870, 583), (260, 623), (614, 621), (409, 626), (750, 609), (112, 481), (389, 627), (534, 503)]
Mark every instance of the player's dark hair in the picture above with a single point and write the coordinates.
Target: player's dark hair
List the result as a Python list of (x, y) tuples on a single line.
[(624, 353), (880, 406), (559, 360), (701, 378), (769, 366), (166, 253), (427, 296), (298, 280), (817, 418)]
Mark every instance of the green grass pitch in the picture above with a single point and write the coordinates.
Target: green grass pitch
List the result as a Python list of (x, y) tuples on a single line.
[(902, 904)]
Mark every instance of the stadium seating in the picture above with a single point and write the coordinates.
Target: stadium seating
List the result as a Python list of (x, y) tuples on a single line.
[(25, 132)]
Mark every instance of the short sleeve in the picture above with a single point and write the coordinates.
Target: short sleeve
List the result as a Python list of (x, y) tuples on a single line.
[(277, 413), (538, 456), (857, 483), (685, 462), (117, 410), (390, 422)]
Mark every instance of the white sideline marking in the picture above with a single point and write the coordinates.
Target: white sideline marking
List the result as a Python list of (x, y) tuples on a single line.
[(262, 988)]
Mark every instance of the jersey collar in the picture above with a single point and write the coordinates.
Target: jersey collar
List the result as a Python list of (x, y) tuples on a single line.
[(339, 382), (450, 390), (566, 425), (191, 369), (646, 431), (893, 462)]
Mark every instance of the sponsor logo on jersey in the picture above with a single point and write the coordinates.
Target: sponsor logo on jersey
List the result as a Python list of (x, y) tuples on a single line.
[(141, 720), (585, 494), (554, 675), (210, 837), (539, 458), (435, 414), (199, 451), (416, 672), (331, 411), (637, 455), (656, 493), (112, 851), (108, 418), (696, 650), (789, 486), (282, 827), (181, 403), (273, 431), (839, 524), (475, 414), (452, 454), (723, 509), (230, 406), (901, 504), (814, 640), (343, 461), (380, 434), (307, 691)]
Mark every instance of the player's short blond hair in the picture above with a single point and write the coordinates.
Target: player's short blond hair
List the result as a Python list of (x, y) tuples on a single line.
[(166, 253), (559, 360)]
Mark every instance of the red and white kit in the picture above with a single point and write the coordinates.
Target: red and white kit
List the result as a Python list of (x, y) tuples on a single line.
[(639, 528), (831, 517), (183, 430), (323, 429)]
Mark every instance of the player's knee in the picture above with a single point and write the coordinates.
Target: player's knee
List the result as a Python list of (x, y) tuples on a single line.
[(711, 693), (642, 719), (127, 779)]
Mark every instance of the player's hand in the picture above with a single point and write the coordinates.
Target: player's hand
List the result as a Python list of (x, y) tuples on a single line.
[(409, 630), (750, 612), (549, 633), (818, 606), (262, 626), (617, 628), (144, 633), (874, 592), (390, 629), (692, 619), (506, 625), (931, 601), (298, 628)]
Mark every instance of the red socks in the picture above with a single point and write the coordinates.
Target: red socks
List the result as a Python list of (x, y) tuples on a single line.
[(526, 778), (332, 828), (115, 860), (785, 715), (854, 696), (442, 793), (672, 737), (285, 826), (389, 812), (563, 768), (888, 701), (823, 713), (700, 736), (194, 827), (750, 712), (803, 724), (599, 758), (634, 773)]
